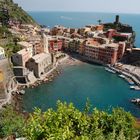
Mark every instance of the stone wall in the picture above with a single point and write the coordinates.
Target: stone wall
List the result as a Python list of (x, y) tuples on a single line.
[(7, 75)]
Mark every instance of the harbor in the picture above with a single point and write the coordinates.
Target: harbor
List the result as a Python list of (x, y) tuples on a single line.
[(95, 83), (127, 75)]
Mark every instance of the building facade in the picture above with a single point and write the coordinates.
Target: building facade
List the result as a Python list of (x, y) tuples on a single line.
[(55, 45), (101, 53), (27, 46), (40, 64), (20, 58)]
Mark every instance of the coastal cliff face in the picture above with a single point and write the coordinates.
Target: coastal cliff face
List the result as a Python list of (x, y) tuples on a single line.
[(16, 12)]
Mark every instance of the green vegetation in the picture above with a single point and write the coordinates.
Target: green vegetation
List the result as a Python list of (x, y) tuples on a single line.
[(11, 122), (11, 48), (4, 32), (16, 12), (68, 123)]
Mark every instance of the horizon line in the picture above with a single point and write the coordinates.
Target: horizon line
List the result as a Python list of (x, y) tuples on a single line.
[(82, 12)]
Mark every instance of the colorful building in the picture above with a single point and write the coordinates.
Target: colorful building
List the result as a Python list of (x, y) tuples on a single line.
[(55, 45), (101, 53)]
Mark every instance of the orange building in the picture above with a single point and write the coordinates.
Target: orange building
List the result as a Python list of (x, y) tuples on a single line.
[(99, 27), (101, 53)]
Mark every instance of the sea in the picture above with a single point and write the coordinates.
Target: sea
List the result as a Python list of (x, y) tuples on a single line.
[(78, 83)]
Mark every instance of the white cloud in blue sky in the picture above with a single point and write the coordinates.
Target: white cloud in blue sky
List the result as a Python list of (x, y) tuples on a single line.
[(118, 6)]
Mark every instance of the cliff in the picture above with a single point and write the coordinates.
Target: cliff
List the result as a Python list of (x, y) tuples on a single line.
[(15, 12)]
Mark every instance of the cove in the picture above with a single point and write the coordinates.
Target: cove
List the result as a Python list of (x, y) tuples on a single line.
[(77, 83)]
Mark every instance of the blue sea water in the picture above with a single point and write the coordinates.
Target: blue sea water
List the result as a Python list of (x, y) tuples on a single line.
[(77, 83), (80, 19)]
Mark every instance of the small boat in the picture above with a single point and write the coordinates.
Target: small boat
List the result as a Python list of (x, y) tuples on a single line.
[(129, 81), (110, 70), (136, 101), (122, 76), (135, 88), (132, 87)]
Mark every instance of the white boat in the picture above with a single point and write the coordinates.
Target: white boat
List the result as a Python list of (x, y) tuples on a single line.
[(132, 87), (137, 100), (110, 70), (122, 76), (135, 87)]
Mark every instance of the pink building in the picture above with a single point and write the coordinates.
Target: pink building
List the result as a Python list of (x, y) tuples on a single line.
[(101, 53), (55, 45)]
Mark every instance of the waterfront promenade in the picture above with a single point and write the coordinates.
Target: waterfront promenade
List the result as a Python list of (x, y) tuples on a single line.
[(129, 71)]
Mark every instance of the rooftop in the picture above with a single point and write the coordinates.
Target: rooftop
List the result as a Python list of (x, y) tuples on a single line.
[(40, 57), (96, 44), (22, 52), (24, 44)]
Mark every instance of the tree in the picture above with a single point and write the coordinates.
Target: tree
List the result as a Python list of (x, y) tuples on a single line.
[(68, 123)]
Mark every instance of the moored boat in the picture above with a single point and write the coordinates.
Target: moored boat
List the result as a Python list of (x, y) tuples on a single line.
[(129, 81), (135, 87), (136, 101), (122, 76), (110, 70), (132, 87)]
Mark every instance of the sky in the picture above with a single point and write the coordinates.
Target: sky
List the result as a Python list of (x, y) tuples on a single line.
[(109, 6)]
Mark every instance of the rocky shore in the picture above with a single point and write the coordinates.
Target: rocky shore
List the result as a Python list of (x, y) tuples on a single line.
[(17, 97)]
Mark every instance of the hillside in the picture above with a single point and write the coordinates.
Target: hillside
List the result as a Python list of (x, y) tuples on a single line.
[(16, 12)]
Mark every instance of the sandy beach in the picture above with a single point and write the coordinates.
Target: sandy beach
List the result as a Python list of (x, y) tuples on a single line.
[(70, 61)]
